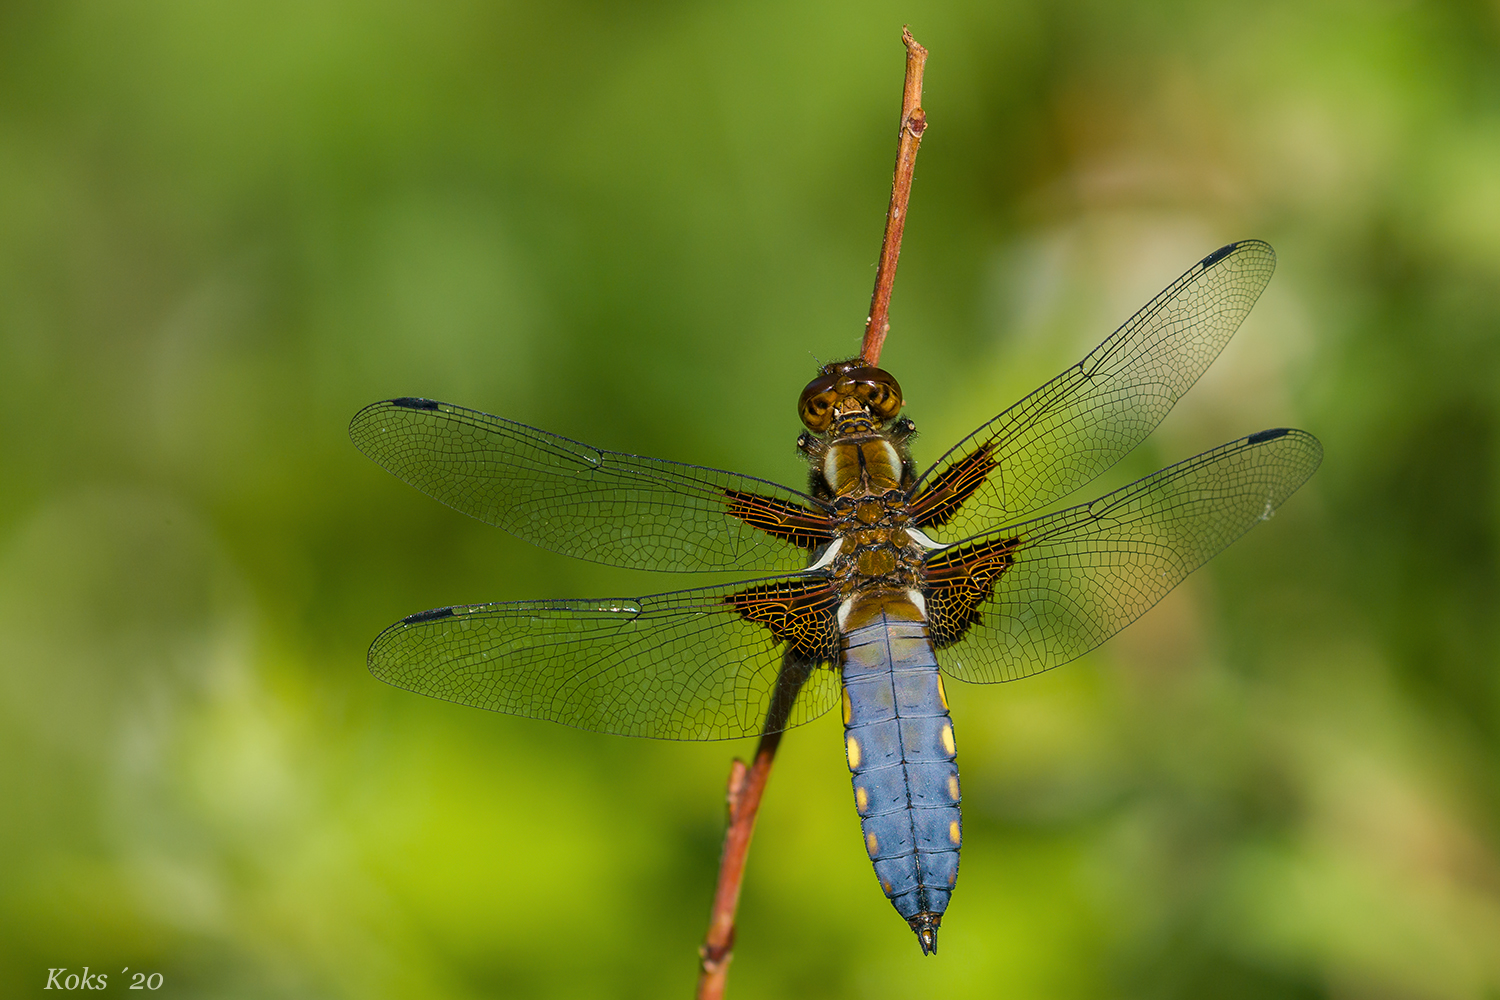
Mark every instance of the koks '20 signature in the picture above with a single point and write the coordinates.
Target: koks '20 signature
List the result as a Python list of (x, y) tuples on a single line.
[(62, 979)]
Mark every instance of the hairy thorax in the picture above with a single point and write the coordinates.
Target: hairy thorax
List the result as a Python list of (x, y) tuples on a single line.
[(876, 547)]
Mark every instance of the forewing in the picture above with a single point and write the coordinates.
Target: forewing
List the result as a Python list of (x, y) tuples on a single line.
[(603, 506), (692, 665), (1085, 420), (1019, 600)]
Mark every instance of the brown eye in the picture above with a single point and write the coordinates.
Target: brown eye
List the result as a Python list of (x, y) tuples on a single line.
[(878, 391), (816, 405)]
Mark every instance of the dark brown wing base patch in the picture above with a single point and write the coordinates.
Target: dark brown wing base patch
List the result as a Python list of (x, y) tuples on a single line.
[(950, 488), (959, 581), (801, 614), (804, 528)]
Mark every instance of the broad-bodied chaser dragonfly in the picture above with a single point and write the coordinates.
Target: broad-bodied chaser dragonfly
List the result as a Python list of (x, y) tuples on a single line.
[(883, 579)]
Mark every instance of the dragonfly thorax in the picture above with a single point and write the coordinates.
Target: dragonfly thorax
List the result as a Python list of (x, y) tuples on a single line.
[(865, 466), (876, 550)]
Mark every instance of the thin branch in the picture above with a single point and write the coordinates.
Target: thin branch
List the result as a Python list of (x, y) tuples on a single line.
[(913, 124), (745, 790), (746, 786)]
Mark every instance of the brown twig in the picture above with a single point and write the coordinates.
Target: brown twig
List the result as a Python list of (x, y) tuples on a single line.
[(913, 124), (745, 789)]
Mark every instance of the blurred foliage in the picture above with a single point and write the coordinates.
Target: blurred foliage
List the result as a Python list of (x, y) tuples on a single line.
[(225, 227)]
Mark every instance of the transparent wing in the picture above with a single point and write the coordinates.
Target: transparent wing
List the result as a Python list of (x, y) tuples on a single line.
[(682, 666), (603, 506), (1058, 586), (1085, 420)]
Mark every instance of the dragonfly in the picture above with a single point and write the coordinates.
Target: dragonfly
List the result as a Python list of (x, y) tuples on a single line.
[(875, 582)]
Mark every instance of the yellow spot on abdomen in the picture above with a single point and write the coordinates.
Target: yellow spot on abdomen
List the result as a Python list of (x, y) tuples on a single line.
[(953, 787), (953, 833), (848, 707), (852, 745), (861, 799), (948, 738), (873, 844), (942, 693)]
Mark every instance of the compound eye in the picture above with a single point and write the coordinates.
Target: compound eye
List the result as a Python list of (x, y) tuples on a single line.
[(815, 407), (877, 390)]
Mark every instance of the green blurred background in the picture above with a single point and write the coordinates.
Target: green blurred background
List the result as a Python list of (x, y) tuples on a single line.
[(224, 227)]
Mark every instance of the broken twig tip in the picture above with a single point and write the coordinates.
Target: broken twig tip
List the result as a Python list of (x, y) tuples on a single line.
[(912, 124)]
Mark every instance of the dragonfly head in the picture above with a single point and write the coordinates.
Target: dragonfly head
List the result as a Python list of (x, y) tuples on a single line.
[(849, 396)]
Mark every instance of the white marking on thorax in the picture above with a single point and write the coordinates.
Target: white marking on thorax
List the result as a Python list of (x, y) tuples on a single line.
[(922, 539), (828, 557), (918, 601), (843, 615)]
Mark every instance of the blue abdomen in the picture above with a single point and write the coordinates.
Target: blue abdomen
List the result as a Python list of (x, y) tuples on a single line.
[(899, 739)]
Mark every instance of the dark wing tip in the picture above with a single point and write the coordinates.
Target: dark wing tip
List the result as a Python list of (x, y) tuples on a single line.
[(427, 616), (361, 423), (415, 403), (1218, 255), (1269, 435), (1298, 447), (1227, 249)]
